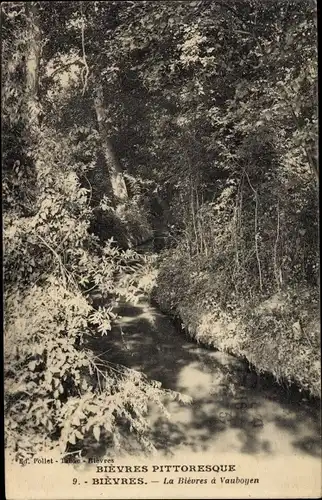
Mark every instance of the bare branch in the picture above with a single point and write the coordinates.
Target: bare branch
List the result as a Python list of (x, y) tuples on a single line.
[(63, 67), (278, 276), (85, 71)]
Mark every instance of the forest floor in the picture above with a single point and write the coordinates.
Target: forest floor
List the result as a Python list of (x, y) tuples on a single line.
[(232, 410)]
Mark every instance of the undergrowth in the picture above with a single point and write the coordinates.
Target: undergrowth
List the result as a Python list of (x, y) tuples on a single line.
[(57, 393), (244, 277)]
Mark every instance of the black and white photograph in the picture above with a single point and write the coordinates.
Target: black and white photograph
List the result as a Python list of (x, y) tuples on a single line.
[(160, 209)]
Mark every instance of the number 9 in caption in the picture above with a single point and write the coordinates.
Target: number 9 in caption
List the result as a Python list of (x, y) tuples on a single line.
[(75, 481)]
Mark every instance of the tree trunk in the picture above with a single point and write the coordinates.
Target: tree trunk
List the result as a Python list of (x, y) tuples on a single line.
[(114, 169), (31, 99), (33, 54)]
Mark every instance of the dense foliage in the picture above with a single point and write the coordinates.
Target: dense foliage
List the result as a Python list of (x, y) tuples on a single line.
[(58, 392), (250, 224), (193, 120)]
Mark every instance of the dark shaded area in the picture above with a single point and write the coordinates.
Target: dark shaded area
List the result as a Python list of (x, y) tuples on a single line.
[(231, 403)]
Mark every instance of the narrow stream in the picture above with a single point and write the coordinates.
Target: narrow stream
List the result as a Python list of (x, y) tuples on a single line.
[(232, 409)]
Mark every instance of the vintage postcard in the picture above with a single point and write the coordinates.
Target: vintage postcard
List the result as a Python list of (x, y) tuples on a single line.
[(161, 250)]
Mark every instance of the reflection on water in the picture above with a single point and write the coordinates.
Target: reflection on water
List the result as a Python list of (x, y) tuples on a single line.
[(233, 409)]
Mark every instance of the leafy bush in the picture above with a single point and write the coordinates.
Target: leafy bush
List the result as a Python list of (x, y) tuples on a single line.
[(127, 224), (56, 391)]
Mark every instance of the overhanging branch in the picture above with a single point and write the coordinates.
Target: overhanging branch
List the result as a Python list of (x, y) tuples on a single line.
[(63, 67)]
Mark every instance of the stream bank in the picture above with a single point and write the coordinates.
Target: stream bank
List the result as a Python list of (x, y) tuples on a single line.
[(278, 332)]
